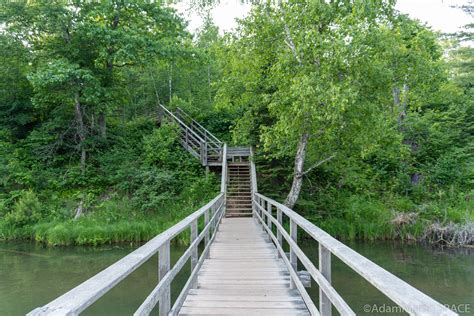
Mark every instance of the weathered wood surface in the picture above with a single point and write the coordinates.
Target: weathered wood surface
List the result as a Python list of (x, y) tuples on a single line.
[(243, 276), (409, 298)]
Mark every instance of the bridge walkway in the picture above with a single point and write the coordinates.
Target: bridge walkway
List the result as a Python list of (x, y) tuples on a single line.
[(243, 276)]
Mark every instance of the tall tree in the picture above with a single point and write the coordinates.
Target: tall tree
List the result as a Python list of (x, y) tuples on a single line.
[(81, 50), (324, 80)]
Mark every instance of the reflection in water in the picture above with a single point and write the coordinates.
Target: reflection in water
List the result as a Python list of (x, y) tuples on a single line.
[(31, 275)]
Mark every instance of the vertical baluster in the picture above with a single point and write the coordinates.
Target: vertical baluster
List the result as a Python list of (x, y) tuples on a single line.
[(279, 236), (325, 269), (269, 210), (163, 268), (194, 251), (293, 258)]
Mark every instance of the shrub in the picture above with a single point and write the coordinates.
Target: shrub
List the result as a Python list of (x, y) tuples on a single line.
[(27, 210)]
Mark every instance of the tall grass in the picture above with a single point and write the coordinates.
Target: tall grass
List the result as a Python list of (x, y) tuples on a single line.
[(115, 221)]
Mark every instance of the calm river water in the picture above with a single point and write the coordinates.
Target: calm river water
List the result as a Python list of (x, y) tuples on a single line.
[(32, 275)]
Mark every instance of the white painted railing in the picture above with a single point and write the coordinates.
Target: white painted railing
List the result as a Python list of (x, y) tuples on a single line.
[(200, 142), (407, 297), (79, 298)]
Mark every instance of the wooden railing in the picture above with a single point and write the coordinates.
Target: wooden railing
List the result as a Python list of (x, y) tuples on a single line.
[(269, 212), (79, 298), (201, 130), (224, 170), (194, 137), (190, 140)]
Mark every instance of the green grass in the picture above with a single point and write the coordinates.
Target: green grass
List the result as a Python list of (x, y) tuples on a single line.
[(114, 220)]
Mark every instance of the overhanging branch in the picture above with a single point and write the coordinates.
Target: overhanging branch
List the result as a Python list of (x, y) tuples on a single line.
[(319, 163)]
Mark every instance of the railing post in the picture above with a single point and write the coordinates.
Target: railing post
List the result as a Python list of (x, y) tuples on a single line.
[(280, 221), (204, 153), (269, 210), (206, 222), (325, 307), (194, 251), (293, 257), (163, 268)]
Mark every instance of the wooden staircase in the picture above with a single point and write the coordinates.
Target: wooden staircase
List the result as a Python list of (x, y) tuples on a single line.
[(239, 192), (197, 140)]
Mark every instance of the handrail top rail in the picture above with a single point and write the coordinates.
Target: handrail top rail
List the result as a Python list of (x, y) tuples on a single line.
[(197, 123), (80, 297), (412, 300), (181, 122)]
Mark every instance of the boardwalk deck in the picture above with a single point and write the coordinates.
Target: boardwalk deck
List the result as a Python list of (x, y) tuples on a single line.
[(243, 276)]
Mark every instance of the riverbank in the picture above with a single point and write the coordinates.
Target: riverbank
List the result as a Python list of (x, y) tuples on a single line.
[(93, 231), (114, 221)]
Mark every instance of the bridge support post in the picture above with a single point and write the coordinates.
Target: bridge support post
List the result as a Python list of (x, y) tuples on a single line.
[(280, 221), (194, 252), (163, 268), (293, 257), (325, 307)]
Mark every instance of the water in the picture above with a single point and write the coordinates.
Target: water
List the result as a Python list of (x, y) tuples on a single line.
[(31, 275)]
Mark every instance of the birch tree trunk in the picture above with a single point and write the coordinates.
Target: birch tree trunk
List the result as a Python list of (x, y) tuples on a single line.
[(298, 171), (170, 81)]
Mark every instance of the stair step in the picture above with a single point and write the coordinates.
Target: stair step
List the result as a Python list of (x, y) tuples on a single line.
[(239, 197), (238, 214), (239, 209)]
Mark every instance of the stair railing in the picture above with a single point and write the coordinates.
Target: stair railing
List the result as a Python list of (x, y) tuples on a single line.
[(213, 144), (194, 137), (204, 132)]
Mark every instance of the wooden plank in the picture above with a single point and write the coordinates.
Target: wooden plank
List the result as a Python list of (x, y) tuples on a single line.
[(241, 311), (248, 304), (246, 292), (245, 298)]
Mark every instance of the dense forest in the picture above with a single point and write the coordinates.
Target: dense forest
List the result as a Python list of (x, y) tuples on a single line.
[(362, 118)]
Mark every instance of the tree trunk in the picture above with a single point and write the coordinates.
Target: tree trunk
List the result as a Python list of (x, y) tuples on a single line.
[(102, 125), (81, 131), (209, 83), (79, 210), (170, 81), (298, 171), (399, 105)]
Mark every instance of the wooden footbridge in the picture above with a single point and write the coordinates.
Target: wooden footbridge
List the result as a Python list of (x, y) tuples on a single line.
[(251, 263)]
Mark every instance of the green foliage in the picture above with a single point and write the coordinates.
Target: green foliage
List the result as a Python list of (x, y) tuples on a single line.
[(160, 146), (27, 210), (79, 84)]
